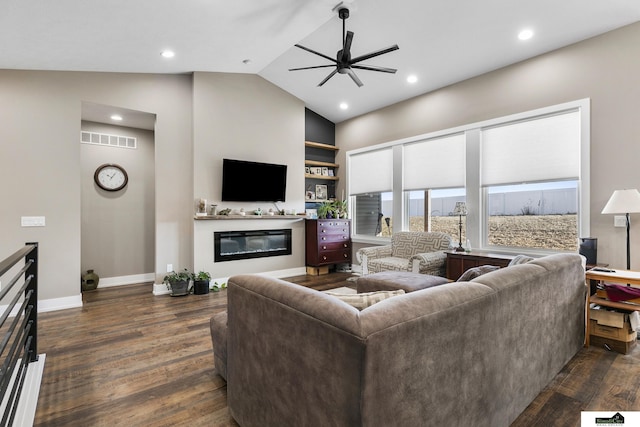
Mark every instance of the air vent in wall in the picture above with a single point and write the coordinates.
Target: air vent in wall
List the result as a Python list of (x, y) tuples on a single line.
[(108, 140)]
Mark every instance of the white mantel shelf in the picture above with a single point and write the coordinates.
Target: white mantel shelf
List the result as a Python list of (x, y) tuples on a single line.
[(228, 217)]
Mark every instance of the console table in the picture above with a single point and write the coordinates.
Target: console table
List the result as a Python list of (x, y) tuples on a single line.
[(459, 262), (615, 276)]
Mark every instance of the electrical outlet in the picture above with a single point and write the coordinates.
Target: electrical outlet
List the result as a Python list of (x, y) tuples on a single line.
[(169, 268), (619, 221)]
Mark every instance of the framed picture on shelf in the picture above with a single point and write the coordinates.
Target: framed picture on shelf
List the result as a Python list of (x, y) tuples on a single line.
[(307, 170), (316, 171), (330, 171), (325, 171), (321, 192), (310, 195)]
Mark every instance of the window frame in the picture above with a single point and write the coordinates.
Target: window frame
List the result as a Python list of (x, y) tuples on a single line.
[(476, 195)]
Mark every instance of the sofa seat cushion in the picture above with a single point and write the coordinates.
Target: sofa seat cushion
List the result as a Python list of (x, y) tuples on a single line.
[(364, 300), (389, 263), (392, 280)]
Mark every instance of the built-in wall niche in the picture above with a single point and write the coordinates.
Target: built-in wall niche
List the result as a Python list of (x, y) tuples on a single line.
[(118, 227)]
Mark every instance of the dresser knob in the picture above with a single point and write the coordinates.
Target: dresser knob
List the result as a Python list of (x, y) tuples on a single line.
[(324, 258), (324, 238), (324, 247), (345, 255)]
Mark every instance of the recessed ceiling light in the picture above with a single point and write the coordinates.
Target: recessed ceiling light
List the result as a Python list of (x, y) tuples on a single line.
[(525, 34), (344, 105), (116, 117), (412, 78), (168, 54)]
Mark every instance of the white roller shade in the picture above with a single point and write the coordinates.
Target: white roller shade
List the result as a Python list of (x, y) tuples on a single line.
[(435, 163), (542, 149), (371, 172)]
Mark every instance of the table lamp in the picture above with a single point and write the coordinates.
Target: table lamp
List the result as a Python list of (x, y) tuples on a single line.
[(624, 202), (460, 210)]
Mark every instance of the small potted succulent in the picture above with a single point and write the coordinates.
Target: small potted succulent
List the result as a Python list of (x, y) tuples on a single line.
[(201, 283), (178, 283)]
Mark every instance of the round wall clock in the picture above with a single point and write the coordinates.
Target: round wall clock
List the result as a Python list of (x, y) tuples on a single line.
[(111, 177)]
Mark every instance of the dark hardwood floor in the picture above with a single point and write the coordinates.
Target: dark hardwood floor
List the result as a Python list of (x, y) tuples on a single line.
[(128, 358)]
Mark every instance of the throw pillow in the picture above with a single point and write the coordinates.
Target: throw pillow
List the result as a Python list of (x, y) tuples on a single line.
[(474, 272), (520, 259), (367, 299)]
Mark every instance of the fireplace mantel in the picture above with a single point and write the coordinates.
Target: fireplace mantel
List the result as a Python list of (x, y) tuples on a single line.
[(228, 217)]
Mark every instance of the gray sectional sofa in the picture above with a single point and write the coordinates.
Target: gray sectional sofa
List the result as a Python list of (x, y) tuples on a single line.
[(460, 354)]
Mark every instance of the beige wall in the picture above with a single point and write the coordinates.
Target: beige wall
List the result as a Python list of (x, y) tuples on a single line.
[(41, 169), (245, 117), (118, 228), (605, 69)]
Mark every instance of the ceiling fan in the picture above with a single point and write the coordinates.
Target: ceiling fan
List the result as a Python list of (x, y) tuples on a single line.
[(343, 62)]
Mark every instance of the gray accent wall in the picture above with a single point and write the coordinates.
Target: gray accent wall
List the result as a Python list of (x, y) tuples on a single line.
[(605, 69)]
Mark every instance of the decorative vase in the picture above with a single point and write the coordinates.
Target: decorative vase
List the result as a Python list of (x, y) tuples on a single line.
[(90, 281), (200, 287)]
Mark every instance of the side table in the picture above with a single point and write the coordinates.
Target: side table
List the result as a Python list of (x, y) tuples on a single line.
[(616, 276), (459, 262)]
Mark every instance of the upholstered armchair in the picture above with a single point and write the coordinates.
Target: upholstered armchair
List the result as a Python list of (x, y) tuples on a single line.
[(413, 251)]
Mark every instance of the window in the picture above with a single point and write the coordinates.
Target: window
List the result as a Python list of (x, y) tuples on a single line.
[(544, 152), (370, 185), (533, 216), (373, 213), (432, 210), (524, 179)]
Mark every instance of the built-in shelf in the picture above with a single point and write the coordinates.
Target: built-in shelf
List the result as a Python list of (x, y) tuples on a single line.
[(320, 145), (331, 178), (317, 163), (225, 217)]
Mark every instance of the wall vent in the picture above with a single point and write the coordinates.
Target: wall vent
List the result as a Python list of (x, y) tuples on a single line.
[(108, 140)]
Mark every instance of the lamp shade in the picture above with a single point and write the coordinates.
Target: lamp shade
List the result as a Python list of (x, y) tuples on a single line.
[(623, 202), (460, 209)]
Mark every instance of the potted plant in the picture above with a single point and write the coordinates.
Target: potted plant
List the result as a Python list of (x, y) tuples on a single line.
[(201, 283), (341, 208), (325, 210), (178, 283)]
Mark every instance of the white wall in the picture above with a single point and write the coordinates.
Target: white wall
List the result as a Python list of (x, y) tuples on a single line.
[(604, 69)]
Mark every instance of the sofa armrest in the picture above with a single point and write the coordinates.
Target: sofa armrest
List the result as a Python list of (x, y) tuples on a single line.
[(365, 254), (428, 262)]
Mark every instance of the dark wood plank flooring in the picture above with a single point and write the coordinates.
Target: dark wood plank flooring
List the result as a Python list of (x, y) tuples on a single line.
[(128, 358)]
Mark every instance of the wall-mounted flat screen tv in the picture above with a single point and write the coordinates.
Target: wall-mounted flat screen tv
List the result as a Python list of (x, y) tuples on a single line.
[(244, 181)]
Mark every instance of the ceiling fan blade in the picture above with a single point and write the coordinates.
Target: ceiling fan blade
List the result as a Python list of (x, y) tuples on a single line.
[(328, 77), (346, 50), (354, 77), (374, 54), (374, 68), (316, 53), (310, 68)]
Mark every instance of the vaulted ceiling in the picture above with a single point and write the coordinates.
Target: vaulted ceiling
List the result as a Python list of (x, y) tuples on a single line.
[(441, 42)]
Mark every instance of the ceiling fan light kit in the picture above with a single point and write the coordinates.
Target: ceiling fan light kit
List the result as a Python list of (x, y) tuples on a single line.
[(343, 62)]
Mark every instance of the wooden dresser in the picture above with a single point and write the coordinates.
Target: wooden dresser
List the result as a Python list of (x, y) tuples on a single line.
[(459, 262), (328, 241)]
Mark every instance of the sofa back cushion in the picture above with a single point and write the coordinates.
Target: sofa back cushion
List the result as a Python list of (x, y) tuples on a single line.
[(405, 244)]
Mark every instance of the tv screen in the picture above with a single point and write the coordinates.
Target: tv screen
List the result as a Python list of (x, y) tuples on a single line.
[(244, 181)]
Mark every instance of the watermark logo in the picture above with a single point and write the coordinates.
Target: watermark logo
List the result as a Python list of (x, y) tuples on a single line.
[(617, 420)]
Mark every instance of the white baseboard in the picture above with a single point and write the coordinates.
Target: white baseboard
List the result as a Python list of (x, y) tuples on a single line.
[(161, 288), (26, 410), (106, 282)]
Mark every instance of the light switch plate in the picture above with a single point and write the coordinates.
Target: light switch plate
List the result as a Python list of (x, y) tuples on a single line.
[(32, 221), (619, 221)]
